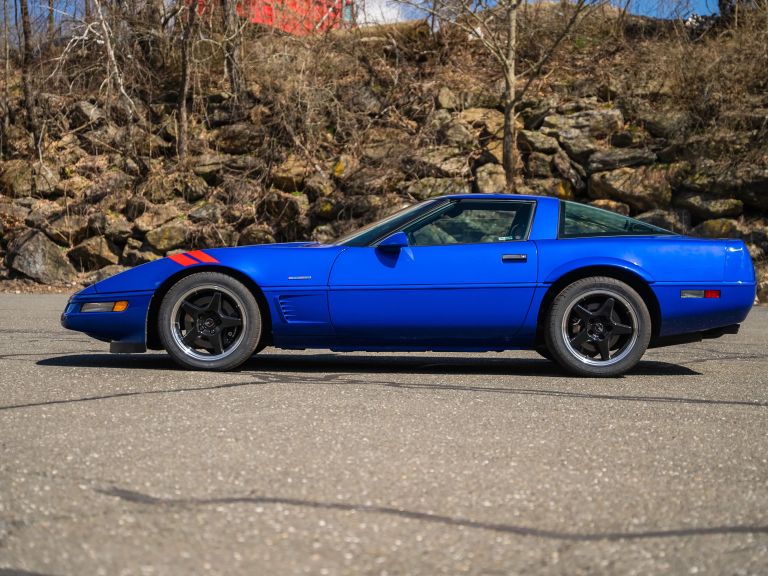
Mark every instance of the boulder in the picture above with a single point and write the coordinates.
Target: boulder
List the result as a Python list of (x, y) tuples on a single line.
[(618, 158), (35, 256), (209, 166), (549, 187), (668, 124), (155, 217), (447, 100), (539, 165), (84, 112), (104, 273), (93, 253), (746, 181), (708, 206), (429, 187), (344, 166), (456, 134), (324, 234), (136, 253), (362, 205), (365, 101), (580, 132), (437, 162), (611, 205), (240, 138), (205, 212), (114, 227), (67, 229), (489, 120), (290, 175), (167, 237), (532, 141), (675, 220), (318, 186), (326, 208), (573, 173), (491, 179), (144, 143), (19, 178), (73, 187), (385, 144), (629, 139), (256, 233), (642, 188), (40, 213), (718, 228), (207, 235)]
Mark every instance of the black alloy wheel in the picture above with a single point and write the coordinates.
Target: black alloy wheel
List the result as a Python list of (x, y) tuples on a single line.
[(210, 321), (598, 327)]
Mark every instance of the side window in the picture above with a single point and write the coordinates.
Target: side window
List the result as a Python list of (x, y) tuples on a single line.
[(472, 222), (581, 221)]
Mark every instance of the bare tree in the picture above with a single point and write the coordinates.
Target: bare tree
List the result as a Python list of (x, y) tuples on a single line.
[(51, 19), (189, 24), (494, 23), (26, 77), (6, 106), (232, 46)]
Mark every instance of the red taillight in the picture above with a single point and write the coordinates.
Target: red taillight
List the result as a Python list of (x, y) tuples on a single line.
[(711, 293)]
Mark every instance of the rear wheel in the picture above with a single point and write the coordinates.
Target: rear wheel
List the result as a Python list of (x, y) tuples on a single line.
[(210, 321), (598, 327)]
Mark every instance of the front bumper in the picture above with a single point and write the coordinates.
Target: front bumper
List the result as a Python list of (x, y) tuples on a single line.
[(126, 330)]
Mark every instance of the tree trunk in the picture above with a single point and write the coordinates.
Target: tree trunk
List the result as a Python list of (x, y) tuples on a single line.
[(26, 80), (509, 154), (51, 20), (7, 73), (232, 47), (186, 48), (87, 10)]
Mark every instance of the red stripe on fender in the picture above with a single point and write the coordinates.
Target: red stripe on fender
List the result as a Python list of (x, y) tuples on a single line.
[(182, 259), (203, 257)]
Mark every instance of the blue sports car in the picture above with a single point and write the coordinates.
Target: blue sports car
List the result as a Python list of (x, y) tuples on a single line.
[(588, 289)]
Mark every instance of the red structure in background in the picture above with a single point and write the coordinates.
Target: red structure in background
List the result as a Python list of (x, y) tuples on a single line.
[(300, 17)]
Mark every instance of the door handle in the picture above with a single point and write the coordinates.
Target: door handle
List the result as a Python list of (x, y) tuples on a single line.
[(522, 258)]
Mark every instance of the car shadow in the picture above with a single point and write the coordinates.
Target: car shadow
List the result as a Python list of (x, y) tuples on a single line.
[(364, 364)]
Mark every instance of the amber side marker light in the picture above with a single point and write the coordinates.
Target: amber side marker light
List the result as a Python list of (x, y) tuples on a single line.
[(118, 306), (700, 294)]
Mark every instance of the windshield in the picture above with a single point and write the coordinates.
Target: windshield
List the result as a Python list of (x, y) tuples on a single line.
[(369, 234)]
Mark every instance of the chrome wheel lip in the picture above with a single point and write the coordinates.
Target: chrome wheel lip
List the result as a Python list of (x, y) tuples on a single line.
[(623, 352), (176, 332)]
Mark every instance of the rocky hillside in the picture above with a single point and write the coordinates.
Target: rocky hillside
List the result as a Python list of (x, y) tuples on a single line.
[(383, 120)]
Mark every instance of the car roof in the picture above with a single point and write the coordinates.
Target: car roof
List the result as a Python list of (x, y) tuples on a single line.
[(485, 196)]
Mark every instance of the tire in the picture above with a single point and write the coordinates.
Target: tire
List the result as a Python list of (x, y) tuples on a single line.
[(544, 353), (210, 321), (597, 327)]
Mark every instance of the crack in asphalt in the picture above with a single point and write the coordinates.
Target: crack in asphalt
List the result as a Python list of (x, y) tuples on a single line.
[(340, 379), (145, 499)]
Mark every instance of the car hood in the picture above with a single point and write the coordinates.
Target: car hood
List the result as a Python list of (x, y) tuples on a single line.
[(307, 263)]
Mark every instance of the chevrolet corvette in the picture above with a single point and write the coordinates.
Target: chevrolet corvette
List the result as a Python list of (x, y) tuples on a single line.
[(588, 289)]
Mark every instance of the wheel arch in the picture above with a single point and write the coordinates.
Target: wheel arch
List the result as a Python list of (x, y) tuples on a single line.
[(153, 335), (633, 279)]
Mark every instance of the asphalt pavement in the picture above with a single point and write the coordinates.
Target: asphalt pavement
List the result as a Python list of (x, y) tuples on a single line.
[(389, 464)]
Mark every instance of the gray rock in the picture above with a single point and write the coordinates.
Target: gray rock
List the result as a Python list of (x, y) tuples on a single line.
[(83, 112), (104, 273), (240, 138), (571, 172), (35, 256), (66, 229), (531, 141), (290, 174), (539, 165), (611, 206), (167, 237), (491, 179), (718, 228), (675, 220), (618, 158), (155, 217), (318, 186), (456, 134), (93, 253), (594, 123), (430, 187), (437, 162), (709, 206), (206, 212), (643, 188), (136, 253), (447, 100), (256, 234)]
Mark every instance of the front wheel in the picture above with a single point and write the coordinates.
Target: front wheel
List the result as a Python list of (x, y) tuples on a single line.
[(597, 327), (210, 321)]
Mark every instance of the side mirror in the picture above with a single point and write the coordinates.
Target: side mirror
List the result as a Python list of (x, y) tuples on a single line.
[(394, 242)]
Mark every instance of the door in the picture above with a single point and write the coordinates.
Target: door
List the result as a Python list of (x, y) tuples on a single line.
[(467, 276)]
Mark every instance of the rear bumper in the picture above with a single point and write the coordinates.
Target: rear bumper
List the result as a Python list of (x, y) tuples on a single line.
[(694, 336), (126, 330)]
